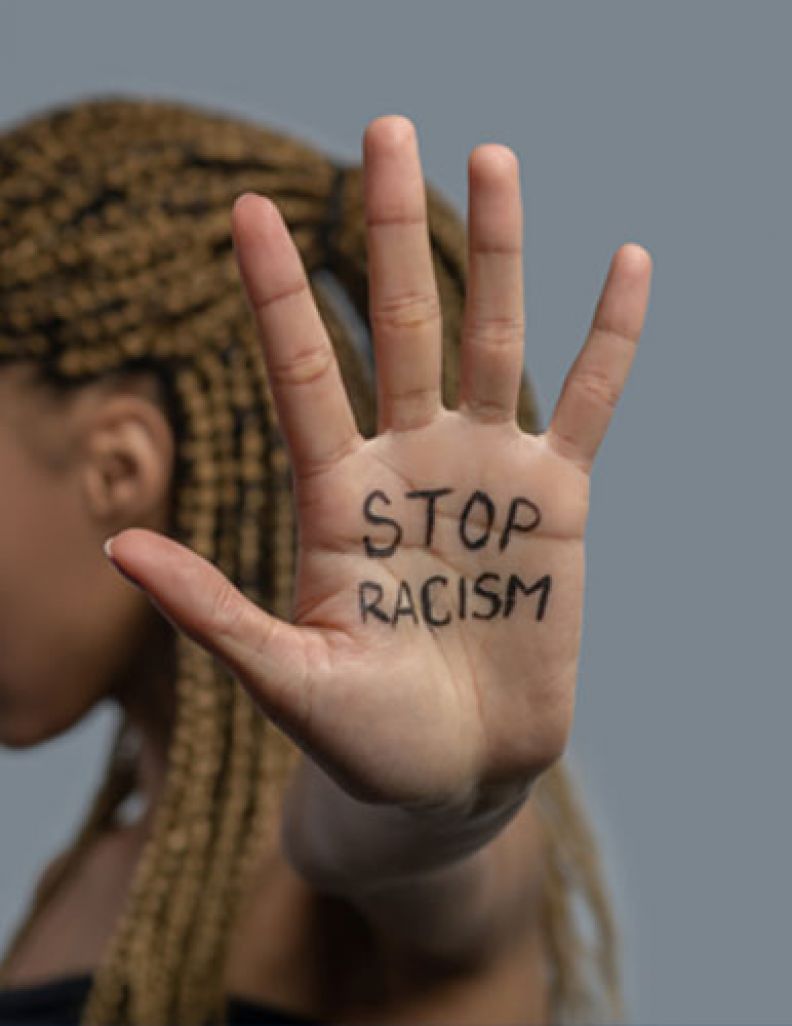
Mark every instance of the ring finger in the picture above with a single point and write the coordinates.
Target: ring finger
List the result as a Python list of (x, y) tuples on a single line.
[(493, 334)]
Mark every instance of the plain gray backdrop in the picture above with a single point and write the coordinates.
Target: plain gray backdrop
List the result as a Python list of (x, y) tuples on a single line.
[(666, 125)]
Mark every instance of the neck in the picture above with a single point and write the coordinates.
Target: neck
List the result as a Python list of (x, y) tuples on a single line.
[(148, 703)]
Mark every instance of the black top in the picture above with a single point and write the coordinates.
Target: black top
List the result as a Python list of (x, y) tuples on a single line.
[(59, 1001)]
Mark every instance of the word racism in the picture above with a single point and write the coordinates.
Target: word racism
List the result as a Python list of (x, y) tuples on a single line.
[(472, 536)]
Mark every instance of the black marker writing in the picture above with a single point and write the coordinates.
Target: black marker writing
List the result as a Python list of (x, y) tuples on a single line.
[(499, 599), (489, 505), (493, 596), (511, 520), (426, 602), (431, 494), (367, 605), (373, 518), (515, 583), (404, 604), (485, 597)]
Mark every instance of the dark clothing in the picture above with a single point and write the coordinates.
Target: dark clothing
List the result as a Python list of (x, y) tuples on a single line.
[(59, 1001)]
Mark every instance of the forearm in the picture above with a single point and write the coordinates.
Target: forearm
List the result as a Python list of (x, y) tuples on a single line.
[(439, 885)]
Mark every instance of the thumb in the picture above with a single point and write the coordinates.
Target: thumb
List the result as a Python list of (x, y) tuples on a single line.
[(266, 654)]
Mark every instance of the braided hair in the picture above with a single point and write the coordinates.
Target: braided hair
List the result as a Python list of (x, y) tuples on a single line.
[(116, 257)]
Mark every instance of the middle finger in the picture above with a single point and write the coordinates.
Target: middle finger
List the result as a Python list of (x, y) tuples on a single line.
[(404, 308)]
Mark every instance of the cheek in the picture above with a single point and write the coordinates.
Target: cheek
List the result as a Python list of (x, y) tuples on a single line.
[(54, 614), (48, 678)]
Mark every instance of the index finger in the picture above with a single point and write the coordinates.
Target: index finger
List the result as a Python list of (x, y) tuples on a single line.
[(312, 404)]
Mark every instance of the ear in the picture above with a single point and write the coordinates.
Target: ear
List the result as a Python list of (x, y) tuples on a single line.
[(127, 453)]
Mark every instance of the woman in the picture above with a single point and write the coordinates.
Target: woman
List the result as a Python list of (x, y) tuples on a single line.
[(346, 742)]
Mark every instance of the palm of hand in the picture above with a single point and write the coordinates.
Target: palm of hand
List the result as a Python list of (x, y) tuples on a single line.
[(429, 661), (435, 634)]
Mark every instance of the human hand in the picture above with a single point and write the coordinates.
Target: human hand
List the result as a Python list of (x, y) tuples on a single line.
[(433, 651)]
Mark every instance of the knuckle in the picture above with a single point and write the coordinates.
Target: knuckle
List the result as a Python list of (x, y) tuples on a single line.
[(611, 331), (411, 408), (568, 448), (262, 306), (226, 609), (303, 368), (497, 332), (319, 465), (598, 386), (416, 394), (410, 310), (489, 411)]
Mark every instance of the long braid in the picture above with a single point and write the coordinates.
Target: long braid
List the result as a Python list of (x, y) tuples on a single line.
[(116, 257)]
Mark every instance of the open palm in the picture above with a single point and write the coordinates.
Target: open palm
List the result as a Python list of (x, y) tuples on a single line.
[(435, 636)]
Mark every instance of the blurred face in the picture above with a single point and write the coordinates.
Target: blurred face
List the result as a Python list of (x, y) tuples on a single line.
[(72, 630)]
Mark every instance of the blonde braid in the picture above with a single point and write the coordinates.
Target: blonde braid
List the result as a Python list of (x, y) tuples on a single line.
[(116, 257)]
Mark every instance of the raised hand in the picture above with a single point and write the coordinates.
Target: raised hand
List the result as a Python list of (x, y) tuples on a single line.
[(433, 650)]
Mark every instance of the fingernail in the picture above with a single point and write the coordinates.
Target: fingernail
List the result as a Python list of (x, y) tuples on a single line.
[(109, 553)]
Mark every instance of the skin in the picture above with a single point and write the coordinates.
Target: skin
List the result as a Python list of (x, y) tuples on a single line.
[(467, 717), (75, 469), (444, 741)]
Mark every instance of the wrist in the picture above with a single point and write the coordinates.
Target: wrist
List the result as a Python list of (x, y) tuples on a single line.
[(485, 807), (344, 845)]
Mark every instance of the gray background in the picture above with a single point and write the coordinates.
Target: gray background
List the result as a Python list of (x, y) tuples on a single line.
[(666, 125)]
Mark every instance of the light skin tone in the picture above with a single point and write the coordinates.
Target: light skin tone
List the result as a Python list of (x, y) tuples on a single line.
[(421, 744)]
